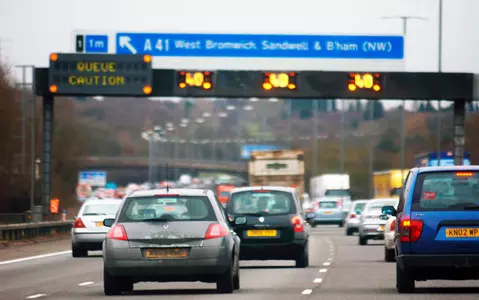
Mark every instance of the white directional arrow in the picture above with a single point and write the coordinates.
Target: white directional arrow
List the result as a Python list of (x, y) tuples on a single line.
[(125, 43)]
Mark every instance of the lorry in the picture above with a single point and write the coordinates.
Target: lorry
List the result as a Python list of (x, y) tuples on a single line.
[(388, 183), (334, 187), (278, 168), (330, 185)]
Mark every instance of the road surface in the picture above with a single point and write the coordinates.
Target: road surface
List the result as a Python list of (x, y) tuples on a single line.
[(340, 269)]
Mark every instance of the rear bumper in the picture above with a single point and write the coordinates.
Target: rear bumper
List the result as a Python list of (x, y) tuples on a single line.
[(336, 220), (89, 241), (439, 260), (271, 251)]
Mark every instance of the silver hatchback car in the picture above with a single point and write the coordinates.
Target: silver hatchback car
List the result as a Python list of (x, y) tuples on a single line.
[(170, 235)]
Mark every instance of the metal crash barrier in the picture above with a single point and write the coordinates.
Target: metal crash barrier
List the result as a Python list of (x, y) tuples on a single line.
[(14, 232)]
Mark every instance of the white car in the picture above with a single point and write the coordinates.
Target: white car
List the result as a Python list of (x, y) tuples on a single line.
[(88, 231), (389, 251), (352, 219)]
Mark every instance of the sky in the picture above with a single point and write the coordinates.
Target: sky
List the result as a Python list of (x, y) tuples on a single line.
[(31, 29)]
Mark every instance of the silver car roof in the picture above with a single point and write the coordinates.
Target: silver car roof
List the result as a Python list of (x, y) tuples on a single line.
[(181, 192), (264, 187)]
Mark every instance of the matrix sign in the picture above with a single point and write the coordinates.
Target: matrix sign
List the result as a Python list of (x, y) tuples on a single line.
[(100, 74)]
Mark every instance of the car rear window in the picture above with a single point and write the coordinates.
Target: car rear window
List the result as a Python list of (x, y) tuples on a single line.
[(448, 191), (359, 206), (169, 208), (261, 203), (96, 209), (377, 206), (327, 204), (337, 193)]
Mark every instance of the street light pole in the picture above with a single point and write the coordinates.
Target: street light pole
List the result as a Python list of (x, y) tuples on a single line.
[(341, 155), (315, 138), (404, 20), (439, 67)]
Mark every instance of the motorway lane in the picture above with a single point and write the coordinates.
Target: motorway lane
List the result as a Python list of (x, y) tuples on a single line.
[(62, 277), (360, 272)]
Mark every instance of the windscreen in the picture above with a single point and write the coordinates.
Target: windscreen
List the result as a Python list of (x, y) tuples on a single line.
[(261, 203), (337, 193), (167, 208), (100, 209), (448, 191)]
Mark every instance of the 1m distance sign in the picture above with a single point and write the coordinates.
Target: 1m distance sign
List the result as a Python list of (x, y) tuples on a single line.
[(92, 75)]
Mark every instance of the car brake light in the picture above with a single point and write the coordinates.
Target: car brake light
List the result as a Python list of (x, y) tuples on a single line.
[(79, 223), (464, 174), (352, 216), (297, 221), (262, 191), (316, 205), (167, 195), (117, 232), (215, 231), (392, 226), (410, 230)]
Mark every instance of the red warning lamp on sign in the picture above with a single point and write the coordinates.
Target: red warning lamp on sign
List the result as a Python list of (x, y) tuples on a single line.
[(54, 206)]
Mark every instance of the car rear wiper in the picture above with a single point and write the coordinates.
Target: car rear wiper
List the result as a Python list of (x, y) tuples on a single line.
[(256, 214)]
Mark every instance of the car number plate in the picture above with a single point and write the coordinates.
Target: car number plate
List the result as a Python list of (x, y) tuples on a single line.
[(99, 224), (328, 212), (462, 232), (266, 233), (167, 253)]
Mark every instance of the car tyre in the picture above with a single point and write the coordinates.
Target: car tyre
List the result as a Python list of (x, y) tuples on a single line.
[(341, 224), (78, 252), (111, 284), (225, 282), (349, 231), (404, 280), (314, 225), (236, 278), (389, 255), (303, 260), (362, 240)]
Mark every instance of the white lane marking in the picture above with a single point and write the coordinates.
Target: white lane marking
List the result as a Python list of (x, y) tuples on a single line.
[(307, 292), (86, 283), (326, 264), (318, 280), (323, 270), (6, 262), (36, 296)]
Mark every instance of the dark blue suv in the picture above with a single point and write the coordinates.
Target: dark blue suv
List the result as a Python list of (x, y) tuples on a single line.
[(437, 226)]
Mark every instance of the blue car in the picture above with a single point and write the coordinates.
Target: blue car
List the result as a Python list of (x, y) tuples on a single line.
[(437, 226)]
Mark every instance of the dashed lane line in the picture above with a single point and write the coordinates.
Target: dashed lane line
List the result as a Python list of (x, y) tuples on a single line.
[(36, 296), (307, 292)]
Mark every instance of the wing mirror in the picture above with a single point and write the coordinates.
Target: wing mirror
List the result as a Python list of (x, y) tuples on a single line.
[(240, 220), (389, 210), (310, 216), (108, 222)]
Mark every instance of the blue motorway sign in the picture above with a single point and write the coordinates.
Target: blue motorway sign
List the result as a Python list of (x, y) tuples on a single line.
[(247, 149), (92, 178), (267, 46), (96, 43)]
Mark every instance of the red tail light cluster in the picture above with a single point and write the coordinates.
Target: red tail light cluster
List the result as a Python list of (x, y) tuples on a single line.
[(410, 230), (392, 226), (298, 223), (79, 223), (352, 216), (215, 231), (117, 232)]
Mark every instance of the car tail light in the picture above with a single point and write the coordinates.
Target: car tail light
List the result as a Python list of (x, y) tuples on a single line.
[(392, 226), (117, 232), (79, 223), (230, 218), (297, 221), (352, 216), (410, 230), (167, 195), (316, 205), (215, 231)]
